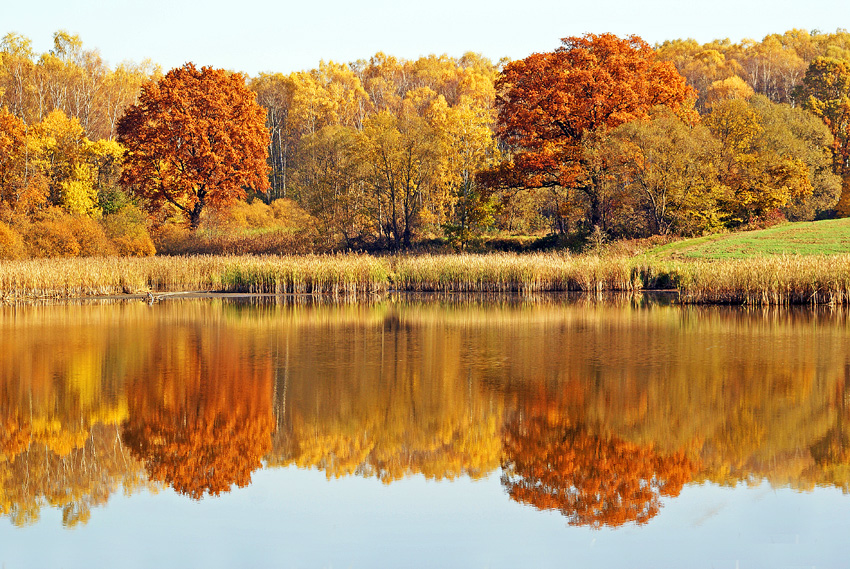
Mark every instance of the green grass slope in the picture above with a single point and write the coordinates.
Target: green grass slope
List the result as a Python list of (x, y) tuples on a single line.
[(828, 237)]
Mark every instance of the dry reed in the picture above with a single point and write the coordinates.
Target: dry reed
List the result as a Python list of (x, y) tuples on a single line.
[(766, 280), (758, 281), (506, 272)]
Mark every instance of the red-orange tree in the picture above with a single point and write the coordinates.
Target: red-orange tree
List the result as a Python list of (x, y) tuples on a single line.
[(195, 138), (550, 104)]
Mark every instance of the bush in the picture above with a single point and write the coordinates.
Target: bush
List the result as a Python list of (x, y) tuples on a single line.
[(175, 240), (11, 243), (90, 236), (255, 228), (52, 238), (127, 229), (57, 233)]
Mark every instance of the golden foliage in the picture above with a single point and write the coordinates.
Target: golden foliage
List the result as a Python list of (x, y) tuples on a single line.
[(203, 392), (11, 243)]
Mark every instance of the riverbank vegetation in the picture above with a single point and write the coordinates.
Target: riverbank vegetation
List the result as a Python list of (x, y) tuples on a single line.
[(779, 279), (570, 157)]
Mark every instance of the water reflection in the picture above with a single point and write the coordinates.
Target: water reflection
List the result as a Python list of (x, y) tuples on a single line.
[(599, 410), (591, 480), (200, 419)]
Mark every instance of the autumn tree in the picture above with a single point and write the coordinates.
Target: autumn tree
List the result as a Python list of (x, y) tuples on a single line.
[(196, 138), (664, 166), (772, 67), (119, 90), (731, 88), (275, 94), (468, 146), (17, 71), (826, 93), (401, 156), (60, 148), (700, 65), (22, 186), (330, 185), (551, 104), (769, 157), (801, 141)]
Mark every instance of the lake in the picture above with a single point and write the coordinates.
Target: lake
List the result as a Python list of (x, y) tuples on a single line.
[(551, 431)]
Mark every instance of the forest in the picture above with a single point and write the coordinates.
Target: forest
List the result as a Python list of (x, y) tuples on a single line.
[(603, 138)]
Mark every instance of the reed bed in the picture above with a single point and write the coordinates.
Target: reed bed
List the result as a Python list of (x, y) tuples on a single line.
[(786, 280), (310, 274), (85, 277), (756, 281), (505, 272)]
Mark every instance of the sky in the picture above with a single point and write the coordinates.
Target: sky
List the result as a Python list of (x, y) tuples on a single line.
[(255, 36)]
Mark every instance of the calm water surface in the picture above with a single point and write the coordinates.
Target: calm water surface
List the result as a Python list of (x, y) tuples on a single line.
[(553, 432)]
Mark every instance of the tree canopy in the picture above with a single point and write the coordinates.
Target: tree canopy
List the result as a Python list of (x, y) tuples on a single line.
[(385, 152), (825, 91), (196, 137), (550, 105)]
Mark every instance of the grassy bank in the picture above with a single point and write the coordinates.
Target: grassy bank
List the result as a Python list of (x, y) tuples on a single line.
[(828, 237), (764, 280)]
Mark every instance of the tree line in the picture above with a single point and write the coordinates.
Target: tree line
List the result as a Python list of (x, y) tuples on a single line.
[(604, 134)]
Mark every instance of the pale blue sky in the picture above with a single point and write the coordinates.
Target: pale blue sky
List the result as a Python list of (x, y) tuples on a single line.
[(265, 35)]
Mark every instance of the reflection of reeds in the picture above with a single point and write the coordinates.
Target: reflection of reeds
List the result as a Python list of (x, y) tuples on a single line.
[(757, 281)]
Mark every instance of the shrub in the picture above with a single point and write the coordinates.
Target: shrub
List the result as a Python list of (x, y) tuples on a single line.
[(127, 229), (255, 228), (11, 243), (57, 233), (51, 238), (290, 215), (90, 236)]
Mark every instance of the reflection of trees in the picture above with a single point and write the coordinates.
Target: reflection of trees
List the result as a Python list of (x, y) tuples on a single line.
[(59, 407), (198, 452), (47, 472), (205, 421), (381, 399), (14, 437), (592, 480), (396, 389), (832, 452)]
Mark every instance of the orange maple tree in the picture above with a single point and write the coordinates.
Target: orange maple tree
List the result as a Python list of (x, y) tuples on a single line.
[(550, 103), (592, 480), (195, 138)]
